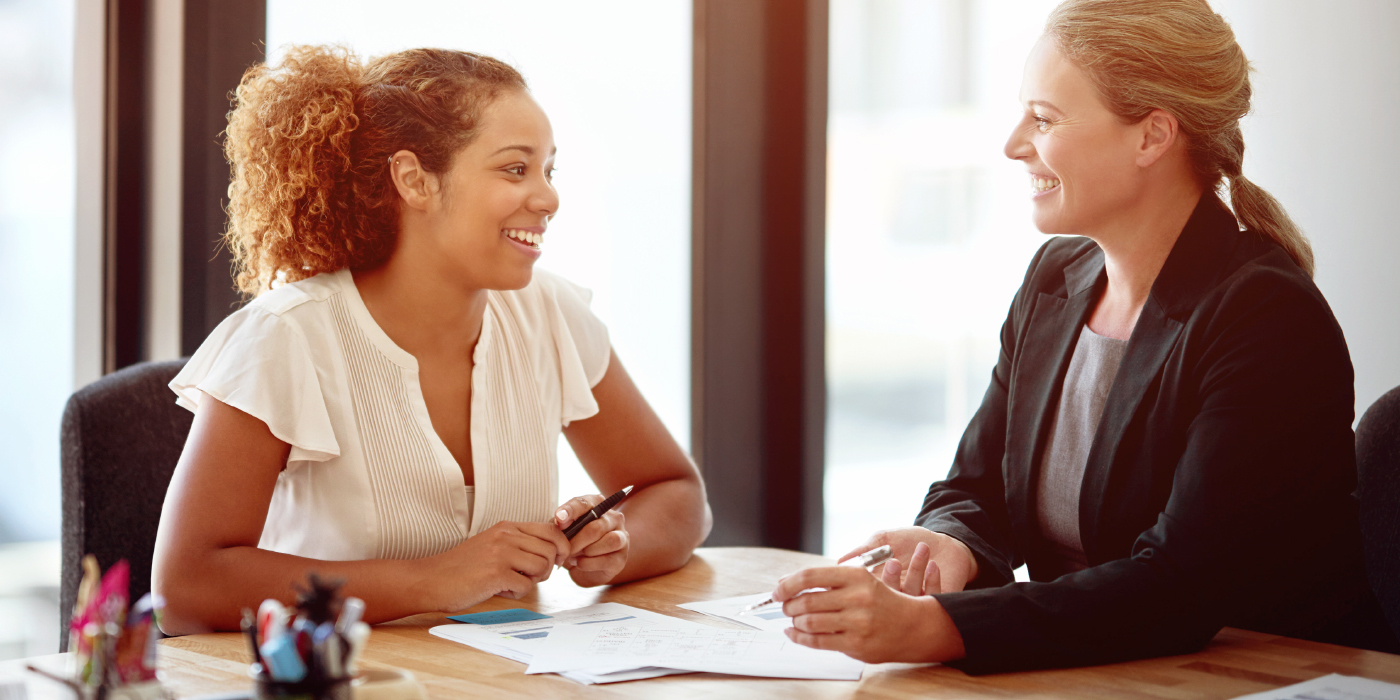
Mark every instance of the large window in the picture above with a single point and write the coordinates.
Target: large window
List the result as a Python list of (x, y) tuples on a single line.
[(928, 236), (614, 79), (36, 318)]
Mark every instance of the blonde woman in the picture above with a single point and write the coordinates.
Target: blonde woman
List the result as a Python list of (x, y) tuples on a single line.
[(1166, 441), (387, 409)]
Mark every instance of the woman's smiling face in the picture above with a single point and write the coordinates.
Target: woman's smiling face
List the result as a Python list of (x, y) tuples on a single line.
[(498, 196), (1081, 158)]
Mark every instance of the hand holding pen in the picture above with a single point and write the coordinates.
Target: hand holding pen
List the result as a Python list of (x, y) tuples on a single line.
[(597, 533), (850, 610), (867, 561)]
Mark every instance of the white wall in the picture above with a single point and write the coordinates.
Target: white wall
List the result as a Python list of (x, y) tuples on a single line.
[(1325, 140)]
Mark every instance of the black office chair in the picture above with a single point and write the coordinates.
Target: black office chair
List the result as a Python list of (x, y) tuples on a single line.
[(121, 436), (1378, 486)]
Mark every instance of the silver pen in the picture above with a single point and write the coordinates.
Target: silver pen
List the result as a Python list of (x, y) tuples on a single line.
[(872, 558)]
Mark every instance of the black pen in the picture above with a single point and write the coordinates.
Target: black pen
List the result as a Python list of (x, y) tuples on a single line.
[(250, 630), (596, 512)]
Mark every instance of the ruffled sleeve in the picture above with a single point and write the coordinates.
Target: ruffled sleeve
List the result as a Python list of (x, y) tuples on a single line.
[(582, 343), (260, 363)]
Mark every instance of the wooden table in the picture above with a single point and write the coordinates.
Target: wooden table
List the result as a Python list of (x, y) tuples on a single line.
[(1235, 663)]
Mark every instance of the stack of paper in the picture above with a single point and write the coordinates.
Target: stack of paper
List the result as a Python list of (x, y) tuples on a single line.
[(686, 645), (516, 634), (613, 642)]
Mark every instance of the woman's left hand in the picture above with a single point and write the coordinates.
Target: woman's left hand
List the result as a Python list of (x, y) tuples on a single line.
[(599, 550), (866, 619)]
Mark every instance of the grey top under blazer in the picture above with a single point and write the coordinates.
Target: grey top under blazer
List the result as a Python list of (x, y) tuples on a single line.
[(1218, 489)]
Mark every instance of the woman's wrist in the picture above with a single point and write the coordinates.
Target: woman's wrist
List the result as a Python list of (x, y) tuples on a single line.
[(939, 639), (971, 558), (425, 590)]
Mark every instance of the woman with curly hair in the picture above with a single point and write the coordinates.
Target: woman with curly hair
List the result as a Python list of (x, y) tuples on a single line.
[(1166, 440), (387, 408)]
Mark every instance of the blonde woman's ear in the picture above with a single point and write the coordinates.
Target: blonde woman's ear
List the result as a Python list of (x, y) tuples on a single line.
[(1159, 133)]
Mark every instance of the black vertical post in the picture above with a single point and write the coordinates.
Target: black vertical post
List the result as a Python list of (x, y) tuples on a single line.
[(125, 184), (222, 39), (758, 335), (793, 403)]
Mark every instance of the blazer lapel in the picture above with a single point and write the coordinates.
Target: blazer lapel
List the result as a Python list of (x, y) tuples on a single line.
[(1195, 262), (1045, 352), (1152, 341)]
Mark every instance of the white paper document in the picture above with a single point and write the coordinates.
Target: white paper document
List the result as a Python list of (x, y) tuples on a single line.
[(518, 641), (1333, 687), (769, 617), (689, 646)]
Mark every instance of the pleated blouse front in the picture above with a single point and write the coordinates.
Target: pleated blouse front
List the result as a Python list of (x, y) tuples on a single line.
[(368, 477)]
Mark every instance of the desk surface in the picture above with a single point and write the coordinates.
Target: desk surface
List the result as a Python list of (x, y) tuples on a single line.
[(1235, 663)]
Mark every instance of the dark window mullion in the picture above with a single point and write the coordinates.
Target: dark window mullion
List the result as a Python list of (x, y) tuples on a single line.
[(222, 39)]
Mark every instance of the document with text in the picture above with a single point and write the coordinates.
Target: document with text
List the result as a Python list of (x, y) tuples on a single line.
[(520, 640), (689, 646)]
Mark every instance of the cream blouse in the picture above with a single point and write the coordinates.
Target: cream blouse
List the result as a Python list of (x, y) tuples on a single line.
[(368, 477)]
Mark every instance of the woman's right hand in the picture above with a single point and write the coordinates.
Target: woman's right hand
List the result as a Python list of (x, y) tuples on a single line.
[(507, 559), (950, 564)]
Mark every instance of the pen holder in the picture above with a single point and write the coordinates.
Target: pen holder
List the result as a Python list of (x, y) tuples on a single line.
[(310, 688)]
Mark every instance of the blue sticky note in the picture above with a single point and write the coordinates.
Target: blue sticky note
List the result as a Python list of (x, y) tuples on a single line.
[(496, 617)]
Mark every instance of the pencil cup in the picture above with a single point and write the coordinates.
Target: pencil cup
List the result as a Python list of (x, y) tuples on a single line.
[(265, 688)]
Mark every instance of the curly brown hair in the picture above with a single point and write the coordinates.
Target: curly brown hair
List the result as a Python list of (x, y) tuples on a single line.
[(309, 143)]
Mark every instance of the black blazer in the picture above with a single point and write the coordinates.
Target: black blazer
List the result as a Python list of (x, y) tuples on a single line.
[(1218, 487)]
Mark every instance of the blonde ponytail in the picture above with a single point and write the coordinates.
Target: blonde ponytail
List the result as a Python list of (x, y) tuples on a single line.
[(1259, 211)]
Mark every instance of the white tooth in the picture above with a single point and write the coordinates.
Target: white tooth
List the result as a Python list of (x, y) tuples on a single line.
[(534, 238), (512, 233)]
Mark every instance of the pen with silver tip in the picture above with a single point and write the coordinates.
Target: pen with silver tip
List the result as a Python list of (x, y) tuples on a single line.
[(874, 557), (596, 512)]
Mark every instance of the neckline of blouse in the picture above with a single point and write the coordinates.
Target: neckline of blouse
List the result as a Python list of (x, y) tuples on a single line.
[(376, 334)]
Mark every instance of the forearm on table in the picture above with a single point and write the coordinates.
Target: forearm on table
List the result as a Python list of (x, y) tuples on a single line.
[(1121, 610), (207, 592), (666, 521)]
